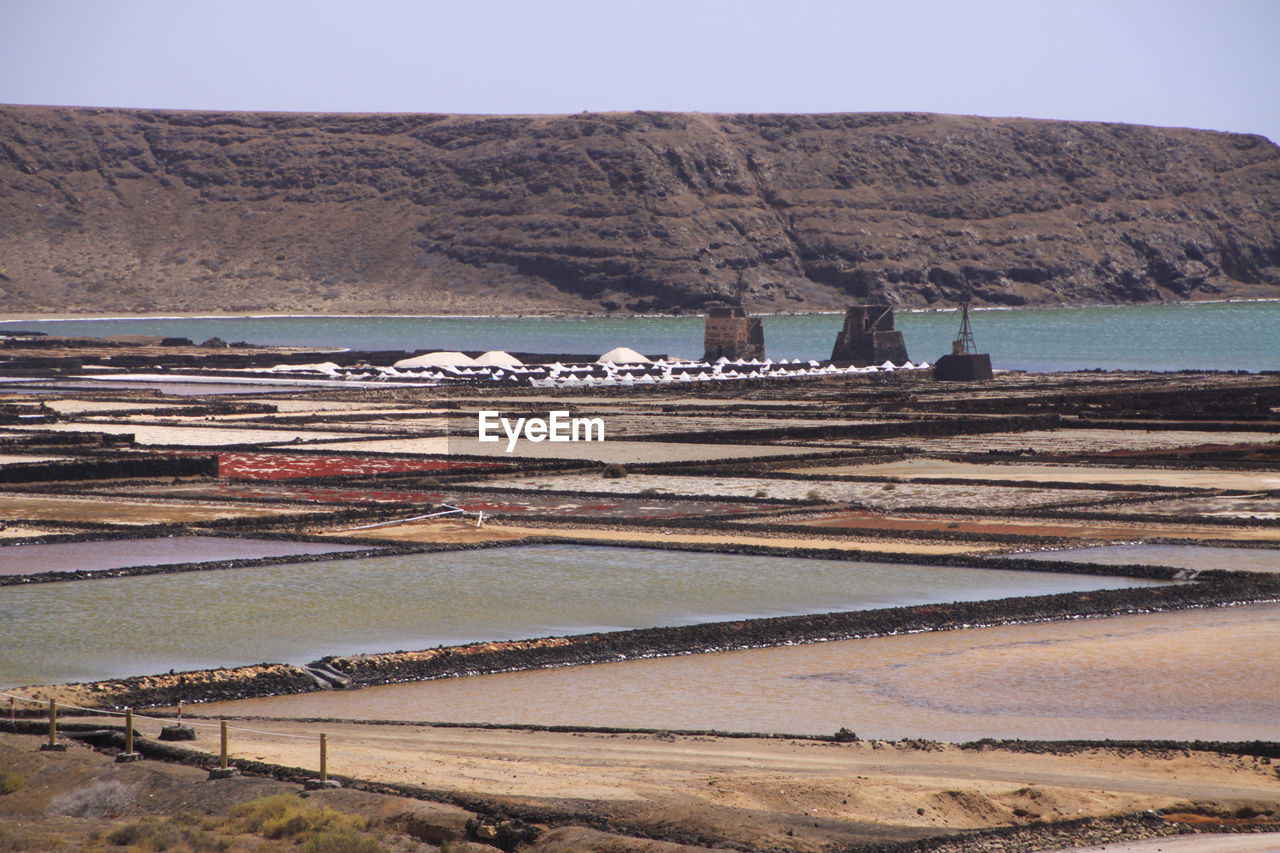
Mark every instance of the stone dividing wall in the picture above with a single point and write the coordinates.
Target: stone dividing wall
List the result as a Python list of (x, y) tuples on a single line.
[(117, 468)]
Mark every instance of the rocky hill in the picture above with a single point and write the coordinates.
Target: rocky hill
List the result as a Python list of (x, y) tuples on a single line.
[(134, 210)]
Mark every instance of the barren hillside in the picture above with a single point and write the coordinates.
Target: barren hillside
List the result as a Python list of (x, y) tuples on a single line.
[(135, 210)]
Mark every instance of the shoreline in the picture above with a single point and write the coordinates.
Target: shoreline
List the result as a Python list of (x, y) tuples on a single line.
[(59, 317)]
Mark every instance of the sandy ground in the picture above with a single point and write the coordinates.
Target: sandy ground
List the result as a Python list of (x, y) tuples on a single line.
[(122, 511), (624, 424), (73, 407), (873, 495), (189, 436), (1102, 530), (72, 796), (446, 531), (334, 417), (1169, 478), (766, 792), (20, 459), (624, 452), (441, 530), (336, 407), (28, 531), (1241, 506), (1075, 440)]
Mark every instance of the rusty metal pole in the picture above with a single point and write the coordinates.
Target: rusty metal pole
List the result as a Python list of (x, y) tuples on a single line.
[(128, 730), (223, 761), (53, 723), (324, 757)]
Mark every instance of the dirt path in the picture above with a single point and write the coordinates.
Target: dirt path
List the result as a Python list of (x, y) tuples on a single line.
[(759, 791), (441, 531), (1166, 477), (1084, 530)]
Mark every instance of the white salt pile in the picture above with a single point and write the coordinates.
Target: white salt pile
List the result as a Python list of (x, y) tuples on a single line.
[(623, 355), (437, 359), (498, 358)]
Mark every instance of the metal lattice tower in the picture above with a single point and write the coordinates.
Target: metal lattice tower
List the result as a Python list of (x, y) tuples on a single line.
[(964, 344)]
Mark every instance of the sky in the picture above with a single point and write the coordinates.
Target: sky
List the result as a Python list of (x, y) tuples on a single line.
[(1211, 64)]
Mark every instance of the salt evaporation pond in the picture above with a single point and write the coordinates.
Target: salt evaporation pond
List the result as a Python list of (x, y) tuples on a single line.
[(298, 612), (1204, 674), (1196, 557), (169, 550)]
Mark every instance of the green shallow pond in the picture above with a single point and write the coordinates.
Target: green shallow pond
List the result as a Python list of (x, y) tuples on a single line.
[(88, 630)]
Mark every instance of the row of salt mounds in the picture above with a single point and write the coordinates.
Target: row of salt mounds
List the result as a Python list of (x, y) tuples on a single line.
[(623, 355), (493, 358), (718, 373)]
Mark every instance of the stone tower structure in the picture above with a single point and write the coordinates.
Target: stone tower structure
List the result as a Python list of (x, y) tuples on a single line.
[(868, 337), (733, 335)]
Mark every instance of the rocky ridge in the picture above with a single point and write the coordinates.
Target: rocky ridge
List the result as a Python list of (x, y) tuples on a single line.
[(145, 211)]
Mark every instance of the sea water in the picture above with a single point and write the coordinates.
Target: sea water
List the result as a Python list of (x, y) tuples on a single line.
[(1202, 336)]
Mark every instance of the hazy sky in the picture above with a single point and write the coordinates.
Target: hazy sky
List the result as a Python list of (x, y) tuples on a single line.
[(1192, 63)]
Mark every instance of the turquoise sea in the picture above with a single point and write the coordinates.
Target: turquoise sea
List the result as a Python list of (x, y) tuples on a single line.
[(1203, 336)]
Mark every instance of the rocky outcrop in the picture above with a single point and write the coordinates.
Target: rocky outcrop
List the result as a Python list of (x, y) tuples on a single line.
[(132, 210)]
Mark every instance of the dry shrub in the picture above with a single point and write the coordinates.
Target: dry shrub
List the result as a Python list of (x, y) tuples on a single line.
[(174, 834), (286, 816), (22, 840), (342, 842), (101, 798), (11, 783)]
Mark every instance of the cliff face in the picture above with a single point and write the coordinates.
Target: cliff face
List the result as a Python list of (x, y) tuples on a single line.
[(128, 210)]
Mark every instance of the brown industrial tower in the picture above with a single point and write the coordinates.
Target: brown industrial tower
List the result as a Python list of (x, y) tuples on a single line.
[(868, 337), (731, 334)]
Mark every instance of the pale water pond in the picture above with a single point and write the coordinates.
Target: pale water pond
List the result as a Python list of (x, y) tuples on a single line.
[(295, 613), (1200, 674), (170, 550)]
